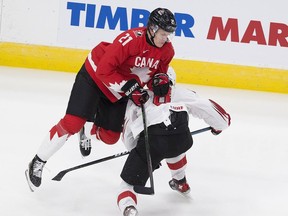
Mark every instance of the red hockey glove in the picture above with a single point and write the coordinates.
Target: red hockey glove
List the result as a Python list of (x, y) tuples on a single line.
[(215, 132), (160, 84), (139, 96), (157, 100), (133, 90)]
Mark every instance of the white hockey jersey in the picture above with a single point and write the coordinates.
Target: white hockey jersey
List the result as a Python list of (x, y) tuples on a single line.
[(182, 100)]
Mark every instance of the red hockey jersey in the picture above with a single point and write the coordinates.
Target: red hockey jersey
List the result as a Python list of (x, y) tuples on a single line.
[(111, 65)]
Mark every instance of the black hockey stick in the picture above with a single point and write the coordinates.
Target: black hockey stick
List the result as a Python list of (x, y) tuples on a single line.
[(201, 130), (142, 189), (61, 174)]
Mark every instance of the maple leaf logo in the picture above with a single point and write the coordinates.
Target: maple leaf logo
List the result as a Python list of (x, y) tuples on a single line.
[(117, 86), (142, 73)]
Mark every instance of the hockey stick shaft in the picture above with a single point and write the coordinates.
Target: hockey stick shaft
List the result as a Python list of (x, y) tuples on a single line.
[(138, 188), (201, 130), (61, 174)]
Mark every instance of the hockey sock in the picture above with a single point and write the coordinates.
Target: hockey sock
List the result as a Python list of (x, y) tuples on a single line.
[(177, 166), (58, 135), (53, 141), (126, 196)]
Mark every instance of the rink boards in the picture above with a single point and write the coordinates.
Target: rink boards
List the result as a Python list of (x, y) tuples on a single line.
[(188, 71)]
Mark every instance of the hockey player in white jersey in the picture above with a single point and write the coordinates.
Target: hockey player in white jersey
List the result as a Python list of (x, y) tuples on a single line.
[(167, 117)]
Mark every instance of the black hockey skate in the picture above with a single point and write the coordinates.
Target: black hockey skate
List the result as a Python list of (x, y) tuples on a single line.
[(34, 173), (180, 186), (130, 211), (84, 143)]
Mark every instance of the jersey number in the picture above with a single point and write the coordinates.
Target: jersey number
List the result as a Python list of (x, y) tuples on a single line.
[(125, 39)]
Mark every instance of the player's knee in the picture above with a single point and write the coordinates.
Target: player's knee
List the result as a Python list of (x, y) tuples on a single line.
[(109, 137), (72, 124)]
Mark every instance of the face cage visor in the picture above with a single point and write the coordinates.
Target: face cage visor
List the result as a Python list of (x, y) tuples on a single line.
[(171, 32)]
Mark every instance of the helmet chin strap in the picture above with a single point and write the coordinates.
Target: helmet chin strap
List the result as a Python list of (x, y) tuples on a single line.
[(151, 37)]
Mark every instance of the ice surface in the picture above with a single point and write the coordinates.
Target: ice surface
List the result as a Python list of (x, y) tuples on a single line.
[(243, 171)]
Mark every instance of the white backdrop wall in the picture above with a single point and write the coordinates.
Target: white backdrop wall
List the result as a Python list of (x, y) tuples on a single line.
[(258, 35), (1, 7)]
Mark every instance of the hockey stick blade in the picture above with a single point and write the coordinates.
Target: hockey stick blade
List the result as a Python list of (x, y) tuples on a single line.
[(143, 190), (61, 174)]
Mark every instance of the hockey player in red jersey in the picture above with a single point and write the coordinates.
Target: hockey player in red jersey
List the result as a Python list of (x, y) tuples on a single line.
[(167, 113), (112, 73)]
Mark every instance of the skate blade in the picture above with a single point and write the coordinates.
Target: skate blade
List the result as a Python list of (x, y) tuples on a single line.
[(31, 186), (186, 195)]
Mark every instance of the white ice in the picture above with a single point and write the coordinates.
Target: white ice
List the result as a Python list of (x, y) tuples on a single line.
[(243, 171)]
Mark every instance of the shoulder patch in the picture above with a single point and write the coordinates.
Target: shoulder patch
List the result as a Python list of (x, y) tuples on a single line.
[(138, 33)]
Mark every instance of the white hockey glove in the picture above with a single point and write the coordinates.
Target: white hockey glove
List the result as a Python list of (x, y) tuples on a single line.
[(215, 132)]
